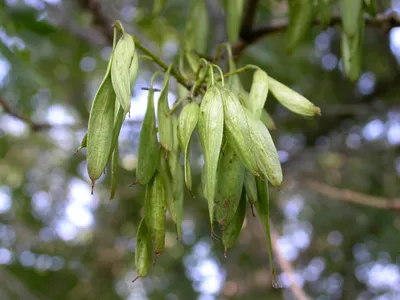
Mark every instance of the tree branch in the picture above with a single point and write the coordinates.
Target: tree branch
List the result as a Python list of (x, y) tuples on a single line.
[(286, 267), (352, 196), (385, 21)]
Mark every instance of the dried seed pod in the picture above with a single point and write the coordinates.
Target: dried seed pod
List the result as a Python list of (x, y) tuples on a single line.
[(210, 127), (148, 150), (232, 230), (164, 116), (121, 70), (100, 128), (230, 175), (187, 122), (114, 172), (143, 250), (258, 93), (237, 130), (292, 100), (251, 188), (262, 207), (265, 151), (155, 207)]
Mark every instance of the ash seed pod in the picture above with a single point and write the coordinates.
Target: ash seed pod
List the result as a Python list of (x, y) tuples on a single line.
[(251, 188), (210, 127), (187, 122), (121, 74), (292, 100), (258, 93), (143, 250)]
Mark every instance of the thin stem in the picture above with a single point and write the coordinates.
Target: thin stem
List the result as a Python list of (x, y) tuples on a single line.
[(176, 74), (240, 70), (199, 82), (115, 37), (176, 105), (146, 57), (118, 25), (211, 73), (220, 72)]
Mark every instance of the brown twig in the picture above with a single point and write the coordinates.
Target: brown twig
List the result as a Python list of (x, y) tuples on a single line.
[(352, 196), (287, 267), (35, 126), (385, 21)]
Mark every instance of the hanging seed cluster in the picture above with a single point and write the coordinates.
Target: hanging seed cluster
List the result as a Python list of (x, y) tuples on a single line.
[(240, 158)]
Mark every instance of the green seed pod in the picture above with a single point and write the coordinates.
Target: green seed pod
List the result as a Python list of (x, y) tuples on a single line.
[(143, 250), (187, 122), (300, 18), (114, 172), (178, 187), (100, 128), (232, 230), (174, 154), (164, 116), (251, 188), (262, 207), (292, 100), (234, 10), (155, 207), (134, 69), (237, 130), (350, 12), (121, 77), (148, 150), (258, 93), (266, 154), (119, 118), (230, 175), (267, 120), (210, 128)]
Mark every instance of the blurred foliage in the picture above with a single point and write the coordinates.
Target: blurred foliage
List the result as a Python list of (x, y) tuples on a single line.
[(59, 242)]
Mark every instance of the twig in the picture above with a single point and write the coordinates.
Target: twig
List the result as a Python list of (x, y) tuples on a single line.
[(385, 21), (287, 267), (35, 126), (352, 196)]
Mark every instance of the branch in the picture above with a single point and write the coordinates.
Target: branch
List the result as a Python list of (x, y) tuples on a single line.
[(35, 126), (385, 21), (352, 196), (248, 18), (286, 267)]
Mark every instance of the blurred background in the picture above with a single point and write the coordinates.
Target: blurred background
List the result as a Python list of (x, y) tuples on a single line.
[(335, 219)]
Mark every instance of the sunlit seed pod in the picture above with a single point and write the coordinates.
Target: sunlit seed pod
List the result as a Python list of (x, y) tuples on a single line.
[(143, 250), (251, 188), (155, 207), (265, 151), (121, 76), (114, 172), (148, 149), (262, 207), (258, 93), (164, 116), (232, 230), (237, 130), (300, 19), (234, 11), (350, 12), (210, 127), (292, 100), (100, 130), (187, 122), (230, 177)]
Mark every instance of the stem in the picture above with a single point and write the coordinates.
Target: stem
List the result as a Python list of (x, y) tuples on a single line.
[(211, 73), (240, 70), (146, 57), (220, 72), (176, 74), (114, 37), (118, 25)]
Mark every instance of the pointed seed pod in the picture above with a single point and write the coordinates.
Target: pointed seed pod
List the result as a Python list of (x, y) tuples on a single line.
[(187, 122), (210, 127), (262, 207), (258, 93), (148, 150), (164, 116), (237, 130), (230, 175), (121, 70), (143, 250), (265, 151), (232, 230), (155, 207), (100, 128), (292, 100)]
